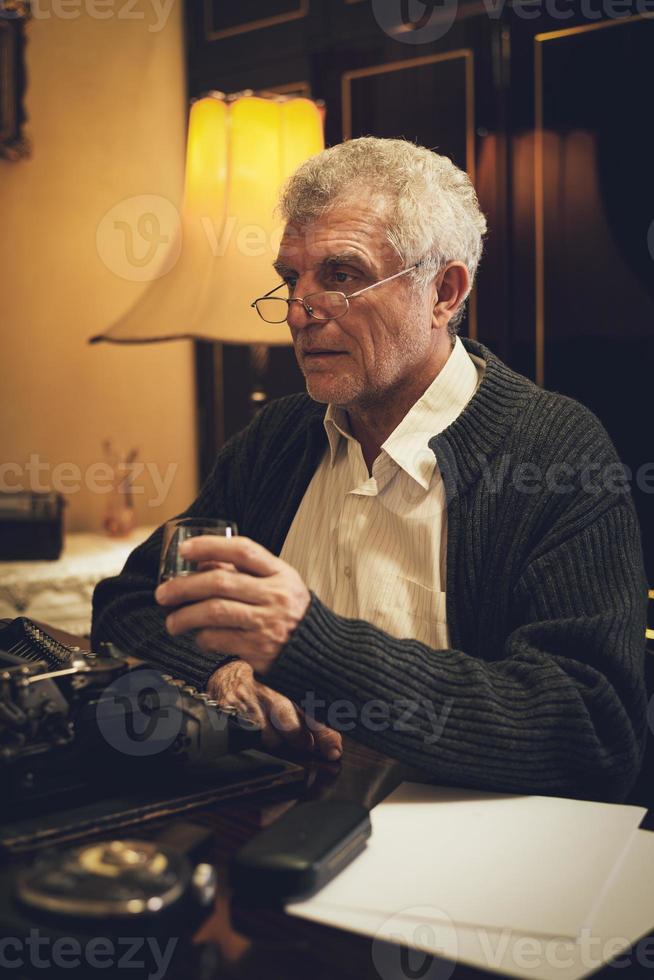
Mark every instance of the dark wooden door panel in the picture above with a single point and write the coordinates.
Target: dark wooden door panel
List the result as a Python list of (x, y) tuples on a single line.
[(584, 204)]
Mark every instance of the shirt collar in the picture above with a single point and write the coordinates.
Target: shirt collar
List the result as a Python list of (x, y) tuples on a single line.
[(337, 426), (438, 407)]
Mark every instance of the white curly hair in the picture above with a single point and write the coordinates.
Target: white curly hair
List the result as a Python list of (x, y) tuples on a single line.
[(433, 215)]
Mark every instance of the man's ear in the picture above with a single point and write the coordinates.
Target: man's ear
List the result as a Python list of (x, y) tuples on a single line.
[(452, 284)]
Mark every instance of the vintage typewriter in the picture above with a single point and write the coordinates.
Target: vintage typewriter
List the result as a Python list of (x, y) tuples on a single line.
[(93, 741)]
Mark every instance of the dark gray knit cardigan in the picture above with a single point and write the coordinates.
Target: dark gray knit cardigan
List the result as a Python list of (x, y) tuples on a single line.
[(542, 690)]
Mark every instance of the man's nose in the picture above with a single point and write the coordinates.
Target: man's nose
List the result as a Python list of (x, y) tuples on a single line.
[(297, 315)]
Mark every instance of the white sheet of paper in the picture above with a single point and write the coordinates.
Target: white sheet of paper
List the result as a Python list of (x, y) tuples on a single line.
[(533, 864), (625, 914)]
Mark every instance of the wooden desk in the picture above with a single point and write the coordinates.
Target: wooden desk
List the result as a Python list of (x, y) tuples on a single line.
[(264, 944)]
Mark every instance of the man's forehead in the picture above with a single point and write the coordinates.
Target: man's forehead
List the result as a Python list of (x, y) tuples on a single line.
[(319, 237), (358, 231)]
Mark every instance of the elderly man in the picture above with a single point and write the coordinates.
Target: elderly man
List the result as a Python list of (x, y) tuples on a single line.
[(442, 561)]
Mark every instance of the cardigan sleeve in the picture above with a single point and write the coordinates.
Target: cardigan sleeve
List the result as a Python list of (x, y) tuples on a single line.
[(562, 711)]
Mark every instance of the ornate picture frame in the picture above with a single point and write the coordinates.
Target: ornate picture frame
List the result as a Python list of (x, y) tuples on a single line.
[(14, 143)]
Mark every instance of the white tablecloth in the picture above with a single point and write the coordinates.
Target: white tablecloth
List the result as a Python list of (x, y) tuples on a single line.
[(59, 592)]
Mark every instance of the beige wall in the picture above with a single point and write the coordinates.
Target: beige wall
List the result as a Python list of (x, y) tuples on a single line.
[(107, 108)]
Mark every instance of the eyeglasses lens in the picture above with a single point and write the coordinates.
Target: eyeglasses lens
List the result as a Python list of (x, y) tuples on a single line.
[(272, 309), (323, 306), (327, 305)]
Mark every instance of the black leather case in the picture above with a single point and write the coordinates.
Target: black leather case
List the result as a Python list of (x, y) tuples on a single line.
[(300, 852)]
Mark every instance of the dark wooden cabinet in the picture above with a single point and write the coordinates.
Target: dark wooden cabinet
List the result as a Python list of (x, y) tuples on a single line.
[(549, 108)]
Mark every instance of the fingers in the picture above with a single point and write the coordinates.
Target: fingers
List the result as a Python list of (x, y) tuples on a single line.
[(246, 704), (242, 552), (285, 722), (328, 743), (218, 613), (236, 673), (233, 686), (280, 720), (219, 581), (248, 709), (208, 566)]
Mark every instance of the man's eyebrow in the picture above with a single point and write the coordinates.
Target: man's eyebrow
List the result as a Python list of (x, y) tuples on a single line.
[(282, 269), (347, 257)]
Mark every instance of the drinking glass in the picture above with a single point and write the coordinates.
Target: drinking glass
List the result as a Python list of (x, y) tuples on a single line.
[(171, 563)]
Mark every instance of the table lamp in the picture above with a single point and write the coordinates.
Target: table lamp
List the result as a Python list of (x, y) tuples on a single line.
[(240, 150)]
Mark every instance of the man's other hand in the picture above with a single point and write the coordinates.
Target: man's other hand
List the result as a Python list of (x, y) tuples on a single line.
[(280, 720)]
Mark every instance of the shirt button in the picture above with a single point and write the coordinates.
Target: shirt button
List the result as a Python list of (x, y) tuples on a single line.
[(348, 571)]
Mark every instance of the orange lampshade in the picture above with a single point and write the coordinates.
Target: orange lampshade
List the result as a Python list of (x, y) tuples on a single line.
[(239, 153)]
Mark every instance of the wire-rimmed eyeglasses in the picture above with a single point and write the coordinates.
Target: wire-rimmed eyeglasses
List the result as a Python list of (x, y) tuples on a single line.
[(325, 305)]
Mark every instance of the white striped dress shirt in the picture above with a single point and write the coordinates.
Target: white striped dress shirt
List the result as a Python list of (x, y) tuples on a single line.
[(375, 547)]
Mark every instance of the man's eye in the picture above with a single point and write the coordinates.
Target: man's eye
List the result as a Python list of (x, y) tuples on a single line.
[(291, 282), (341, 277)]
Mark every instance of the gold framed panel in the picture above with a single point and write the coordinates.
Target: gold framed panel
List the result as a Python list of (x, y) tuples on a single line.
[(211, 34), (539, 194), (467, 55)]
